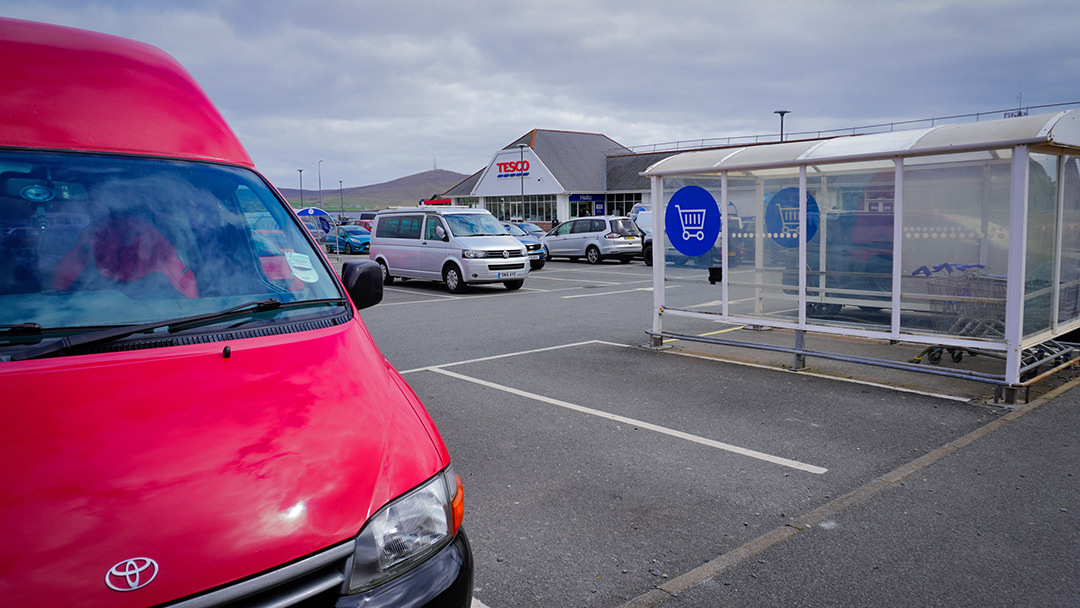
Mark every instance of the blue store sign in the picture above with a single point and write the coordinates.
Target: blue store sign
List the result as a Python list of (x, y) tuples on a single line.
[(782, 218), (692, 221)]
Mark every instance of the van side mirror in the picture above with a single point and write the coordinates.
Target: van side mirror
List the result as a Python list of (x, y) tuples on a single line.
[(441, 233), (363, 282)]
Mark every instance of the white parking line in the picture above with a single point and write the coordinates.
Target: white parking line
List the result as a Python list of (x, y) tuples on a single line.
[(606, 293), (794, 464)]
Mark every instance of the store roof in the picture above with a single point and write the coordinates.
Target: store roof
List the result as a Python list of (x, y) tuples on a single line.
[(577, 160), (1059, 130)]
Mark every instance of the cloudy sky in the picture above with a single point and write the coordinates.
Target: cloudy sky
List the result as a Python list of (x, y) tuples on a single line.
[(381, 90)]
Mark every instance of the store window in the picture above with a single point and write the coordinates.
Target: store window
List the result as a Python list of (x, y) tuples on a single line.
[(622, 203), (535, 208)]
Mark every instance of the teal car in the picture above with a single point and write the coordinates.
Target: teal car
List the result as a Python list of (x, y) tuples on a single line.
[(348, 239)]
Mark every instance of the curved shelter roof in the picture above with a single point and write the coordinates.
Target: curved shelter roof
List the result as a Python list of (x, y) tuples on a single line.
[(1059, 130)]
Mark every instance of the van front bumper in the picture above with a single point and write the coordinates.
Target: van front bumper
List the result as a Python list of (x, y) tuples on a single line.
[(496, 270)]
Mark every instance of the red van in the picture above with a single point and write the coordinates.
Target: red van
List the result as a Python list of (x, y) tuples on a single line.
[(194, 413)]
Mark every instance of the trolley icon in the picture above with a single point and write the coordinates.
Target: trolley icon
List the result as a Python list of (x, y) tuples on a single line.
[(693, 223), (789, 217)]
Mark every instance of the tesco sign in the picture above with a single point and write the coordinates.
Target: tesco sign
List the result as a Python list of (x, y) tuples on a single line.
[(521, 165)]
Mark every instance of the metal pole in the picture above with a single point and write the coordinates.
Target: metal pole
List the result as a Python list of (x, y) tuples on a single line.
[(319, 202), (301, 188), (521, 173), (781, 113), (342, 194)]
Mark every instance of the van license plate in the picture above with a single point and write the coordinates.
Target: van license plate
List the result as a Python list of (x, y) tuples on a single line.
[(506, 275)]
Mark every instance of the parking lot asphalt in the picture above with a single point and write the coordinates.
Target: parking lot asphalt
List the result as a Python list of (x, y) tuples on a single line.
[(601, 473)]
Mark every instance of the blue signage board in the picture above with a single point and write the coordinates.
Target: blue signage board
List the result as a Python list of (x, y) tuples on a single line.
[(692, 221), (782, 218)]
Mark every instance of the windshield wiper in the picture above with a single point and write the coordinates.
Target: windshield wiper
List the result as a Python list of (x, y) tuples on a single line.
[(173, 325), (21, 329)]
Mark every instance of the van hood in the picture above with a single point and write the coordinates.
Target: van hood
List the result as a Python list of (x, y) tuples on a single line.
[(215, 467), (490, 242)]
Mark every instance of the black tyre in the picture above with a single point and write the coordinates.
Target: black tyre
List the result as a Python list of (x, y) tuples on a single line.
[(592, 254), (329, 249), (512, 285), (452, 277), (386, 278), (626, 260), (647, 254), (537, 265), (348, 248)]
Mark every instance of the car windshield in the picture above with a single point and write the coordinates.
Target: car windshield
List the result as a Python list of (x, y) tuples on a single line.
[(356, 230), (88, 241), (531, 227), (513, 230), (474, 224)]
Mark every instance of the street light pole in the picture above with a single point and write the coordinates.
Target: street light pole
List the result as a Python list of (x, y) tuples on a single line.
[(781, 113), (301, 188), (319, 203), (521, 173), (342, 193)]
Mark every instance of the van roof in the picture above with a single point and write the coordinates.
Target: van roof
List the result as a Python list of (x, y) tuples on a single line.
[(73, 89)]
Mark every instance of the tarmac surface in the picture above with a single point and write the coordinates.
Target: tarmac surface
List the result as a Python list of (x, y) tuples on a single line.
[(599, 472)]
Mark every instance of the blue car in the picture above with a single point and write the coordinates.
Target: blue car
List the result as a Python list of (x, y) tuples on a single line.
[(537, 252), (349, 239)]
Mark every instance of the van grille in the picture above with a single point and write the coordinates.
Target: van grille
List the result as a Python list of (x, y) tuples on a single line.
[(498, 253), (293, 585), (505, 266)]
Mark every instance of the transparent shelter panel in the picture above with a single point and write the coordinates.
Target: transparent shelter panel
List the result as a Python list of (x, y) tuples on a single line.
[(1068, 309), (849, 255), (1041, 237), (955, 248)]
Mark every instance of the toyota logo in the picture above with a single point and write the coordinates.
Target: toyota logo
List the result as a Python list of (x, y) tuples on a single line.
[(131, 574)]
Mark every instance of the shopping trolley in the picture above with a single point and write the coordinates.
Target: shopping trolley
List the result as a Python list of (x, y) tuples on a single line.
[(693, 223), (789, 218)]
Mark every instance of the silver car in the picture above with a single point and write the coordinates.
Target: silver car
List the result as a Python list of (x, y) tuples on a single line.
[(595, 239)]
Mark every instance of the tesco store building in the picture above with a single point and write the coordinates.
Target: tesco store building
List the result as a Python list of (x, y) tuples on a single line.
[(547, 175)]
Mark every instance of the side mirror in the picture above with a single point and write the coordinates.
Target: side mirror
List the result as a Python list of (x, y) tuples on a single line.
[(441, 233), (363, 282)]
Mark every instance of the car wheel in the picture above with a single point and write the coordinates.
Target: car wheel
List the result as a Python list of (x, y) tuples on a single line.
[(592, 254), (647, 254), (537, 265), (625, 260), (512, 285), (386, 278), (452, 277), (329, 249), (348, 248)]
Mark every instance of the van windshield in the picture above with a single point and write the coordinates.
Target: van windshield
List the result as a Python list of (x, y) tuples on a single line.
[(474, 224), (92, 241)]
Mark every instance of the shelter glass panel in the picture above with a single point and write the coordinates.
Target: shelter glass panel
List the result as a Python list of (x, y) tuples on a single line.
[(1041, 236), (849, 257), (955, 250), (1069, 273)]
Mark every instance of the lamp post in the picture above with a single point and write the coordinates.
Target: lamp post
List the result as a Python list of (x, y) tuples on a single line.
[(301, 188), (781, 113), (319, 201), (521, 173), (342, 193)]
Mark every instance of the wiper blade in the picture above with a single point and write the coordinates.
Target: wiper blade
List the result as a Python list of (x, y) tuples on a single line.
[(21, 329), (116, 333)]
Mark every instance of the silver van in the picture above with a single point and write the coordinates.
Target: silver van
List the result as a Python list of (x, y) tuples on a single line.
[(456, 245)]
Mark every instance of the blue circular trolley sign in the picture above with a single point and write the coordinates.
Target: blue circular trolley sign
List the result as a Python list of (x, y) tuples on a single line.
[(692, 221), (782, 218)]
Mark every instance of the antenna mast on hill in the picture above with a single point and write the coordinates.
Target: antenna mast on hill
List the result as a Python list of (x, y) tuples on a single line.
[(434, 165)]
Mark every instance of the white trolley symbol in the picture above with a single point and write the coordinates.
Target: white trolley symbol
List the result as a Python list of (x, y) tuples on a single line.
[(693, 223), (789, 217)]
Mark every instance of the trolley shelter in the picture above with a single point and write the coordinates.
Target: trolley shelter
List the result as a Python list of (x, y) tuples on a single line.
[(959, 238)]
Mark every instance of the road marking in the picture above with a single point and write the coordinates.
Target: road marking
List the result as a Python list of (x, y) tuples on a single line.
[(606, 293), (794, 464), (521, 352)]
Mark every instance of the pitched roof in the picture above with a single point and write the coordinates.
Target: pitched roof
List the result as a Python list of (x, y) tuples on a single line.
[(577, 160)]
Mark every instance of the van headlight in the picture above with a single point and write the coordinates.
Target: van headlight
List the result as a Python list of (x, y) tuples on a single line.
[(475, 253), (407, 531)]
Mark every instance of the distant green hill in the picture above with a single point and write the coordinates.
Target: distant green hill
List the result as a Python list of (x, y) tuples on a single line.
[(402, 191)]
